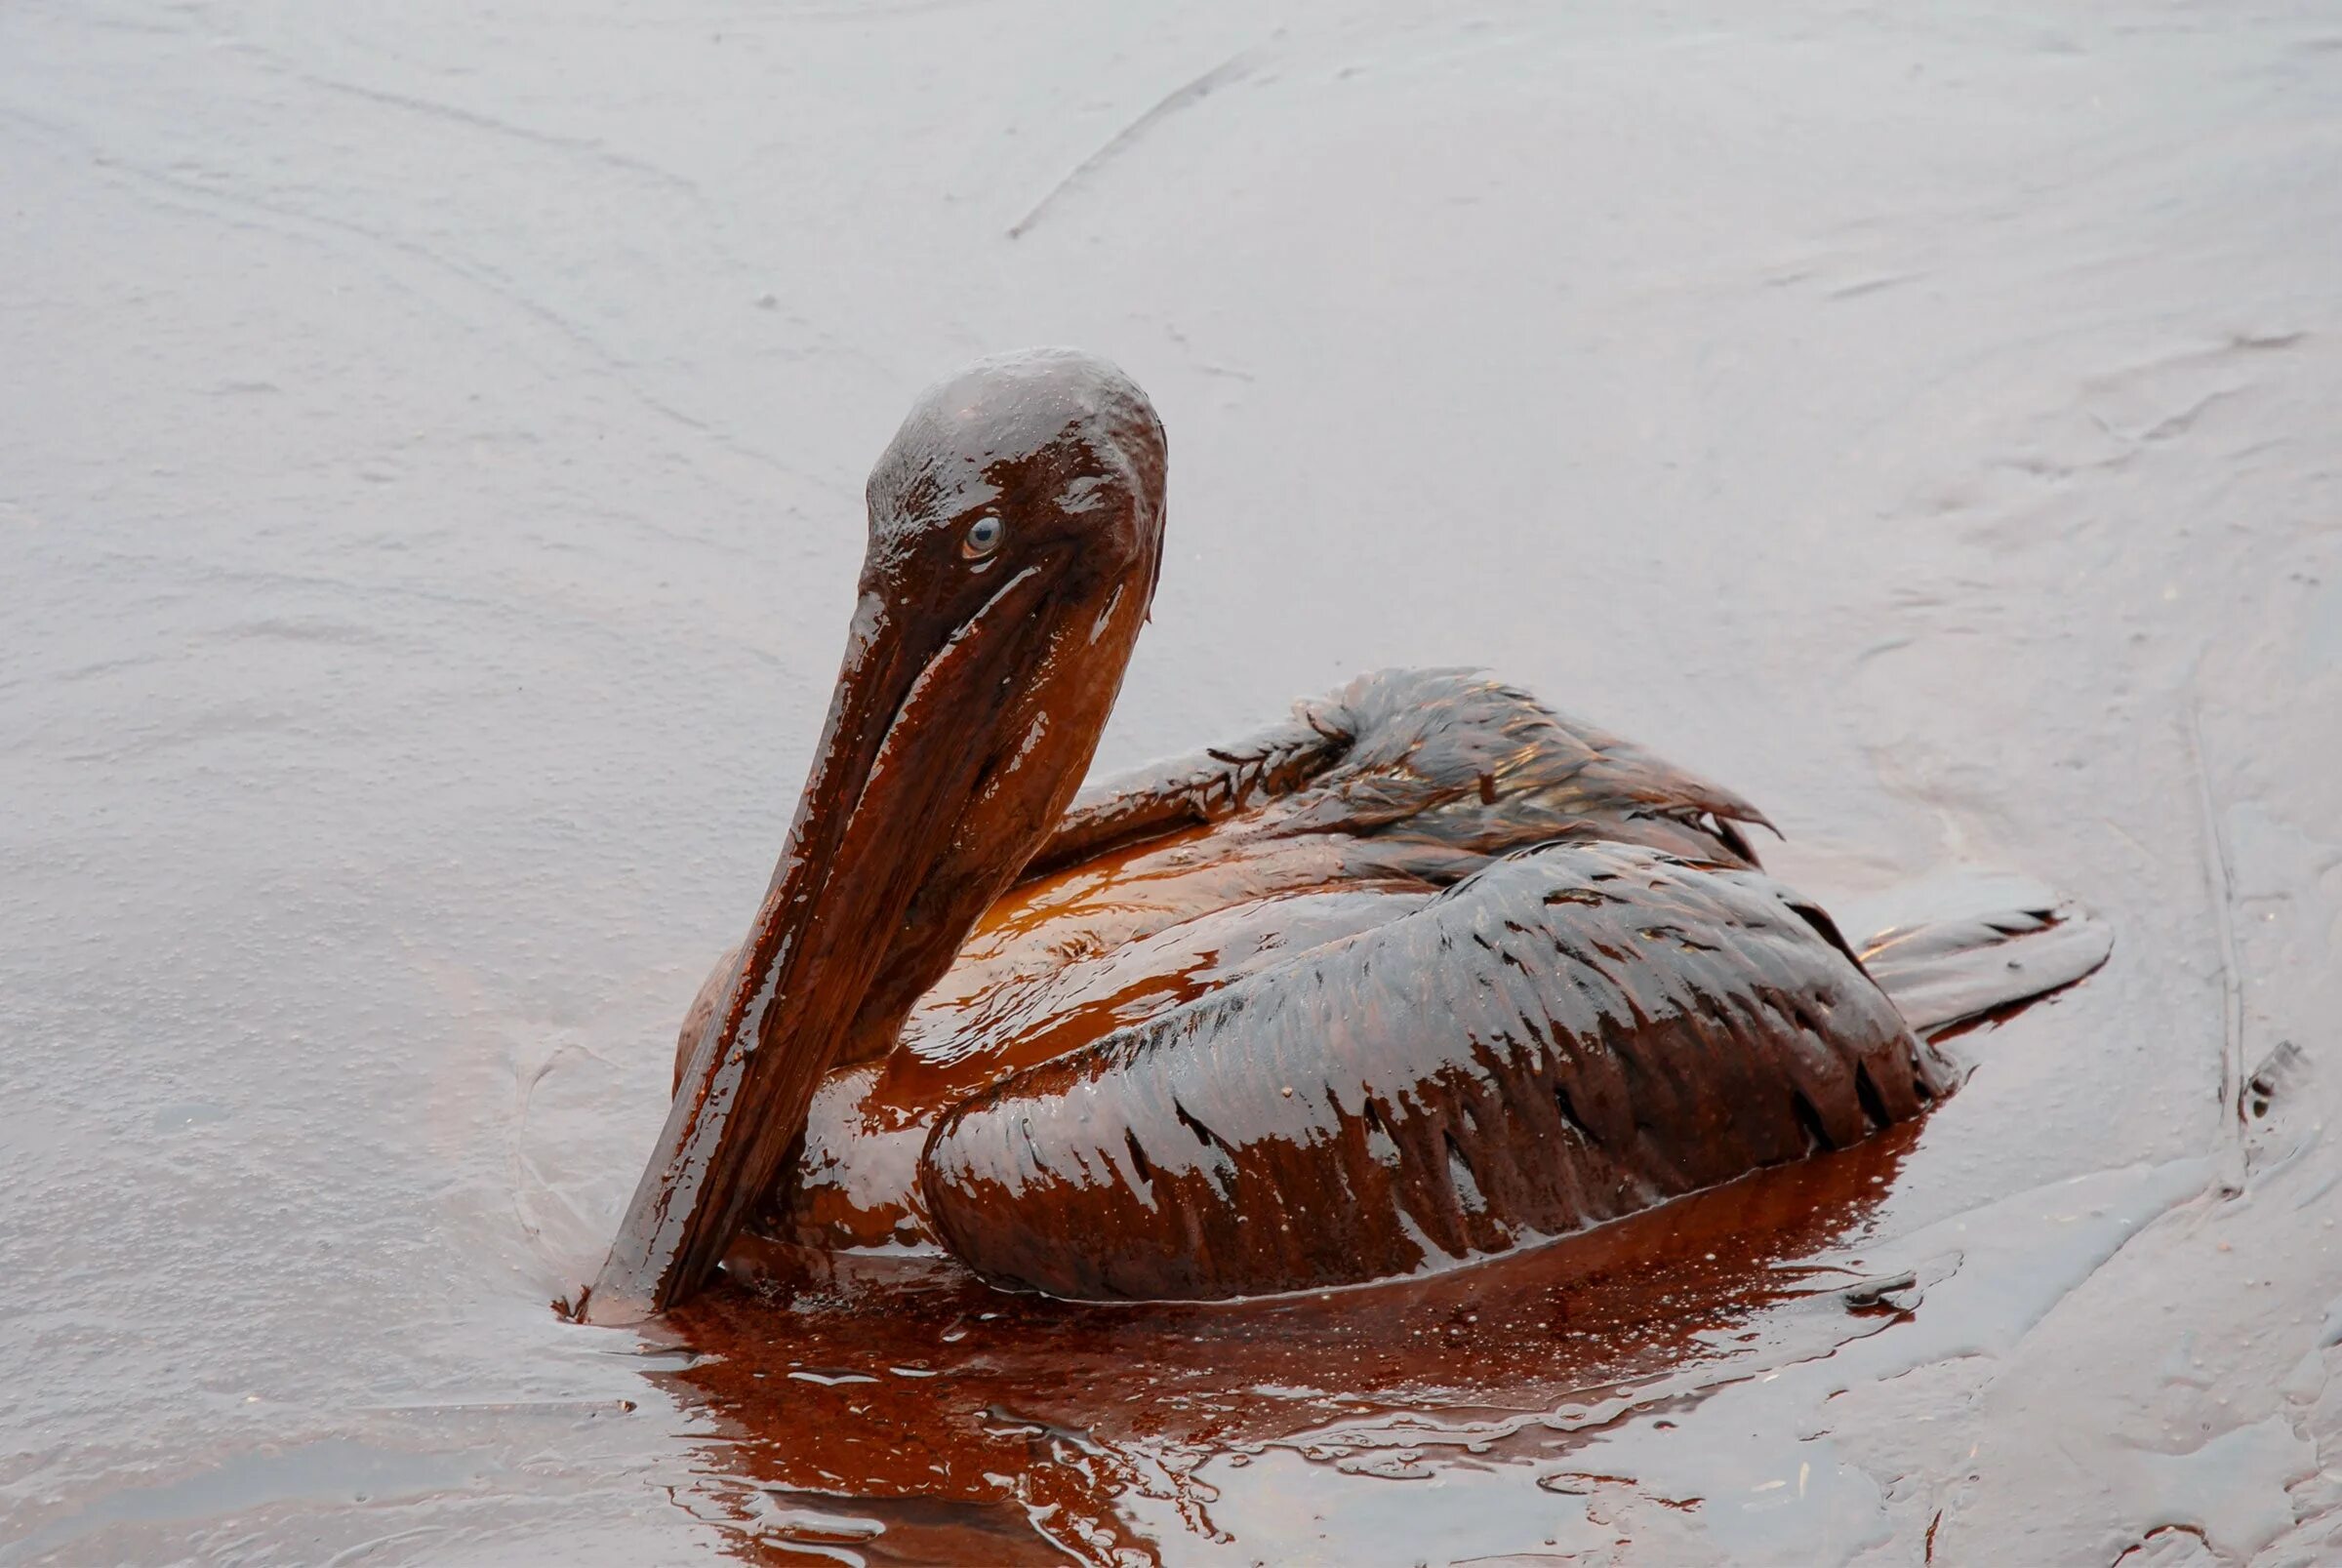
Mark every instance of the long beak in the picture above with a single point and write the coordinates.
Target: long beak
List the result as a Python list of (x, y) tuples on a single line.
[(908, 743)]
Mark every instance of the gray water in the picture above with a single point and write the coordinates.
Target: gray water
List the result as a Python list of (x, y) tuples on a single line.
[(430, 450)]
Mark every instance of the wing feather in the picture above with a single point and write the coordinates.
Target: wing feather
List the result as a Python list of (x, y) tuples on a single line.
[(1570, 1035)]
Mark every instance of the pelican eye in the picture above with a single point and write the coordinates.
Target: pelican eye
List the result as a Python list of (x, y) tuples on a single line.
[(984, 537)]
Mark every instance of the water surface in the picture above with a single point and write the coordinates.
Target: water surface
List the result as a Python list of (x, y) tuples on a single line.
[(430, 450)]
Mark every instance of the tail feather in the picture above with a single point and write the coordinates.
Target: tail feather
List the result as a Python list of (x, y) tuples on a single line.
[(1958, 947)]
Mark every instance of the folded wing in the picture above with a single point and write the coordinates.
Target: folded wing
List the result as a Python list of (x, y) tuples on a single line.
[(1570, 1034)]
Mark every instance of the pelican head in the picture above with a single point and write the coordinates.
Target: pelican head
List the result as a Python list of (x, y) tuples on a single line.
[(1015, 536)]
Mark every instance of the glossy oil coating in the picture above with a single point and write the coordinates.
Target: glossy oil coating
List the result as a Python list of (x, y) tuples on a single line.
[(1350, 816), (1015, 533), (1568, 1036), (1041, 1124)]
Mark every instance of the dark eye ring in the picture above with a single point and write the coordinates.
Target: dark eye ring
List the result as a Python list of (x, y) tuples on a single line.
[(984, 534)]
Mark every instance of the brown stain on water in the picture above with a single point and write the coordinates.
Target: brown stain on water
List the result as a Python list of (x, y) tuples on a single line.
[(980, 1426)]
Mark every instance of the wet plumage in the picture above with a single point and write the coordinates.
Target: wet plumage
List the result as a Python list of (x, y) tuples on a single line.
[(1427, 972)]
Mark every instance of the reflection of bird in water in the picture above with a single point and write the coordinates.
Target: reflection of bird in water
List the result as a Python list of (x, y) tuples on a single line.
[(980, 1427), (1424, 973)]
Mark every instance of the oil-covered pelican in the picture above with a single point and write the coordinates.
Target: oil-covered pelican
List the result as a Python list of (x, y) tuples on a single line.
[(1426, 973)]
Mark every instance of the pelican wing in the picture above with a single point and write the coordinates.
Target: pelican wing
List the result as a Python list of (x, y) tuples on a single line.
[(1189, 791), (1568, 1036), (1451, 760)]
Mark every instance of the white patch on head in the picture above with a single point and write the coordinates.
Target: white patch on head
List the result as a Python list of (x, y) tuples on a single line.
[(1087, 493)]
